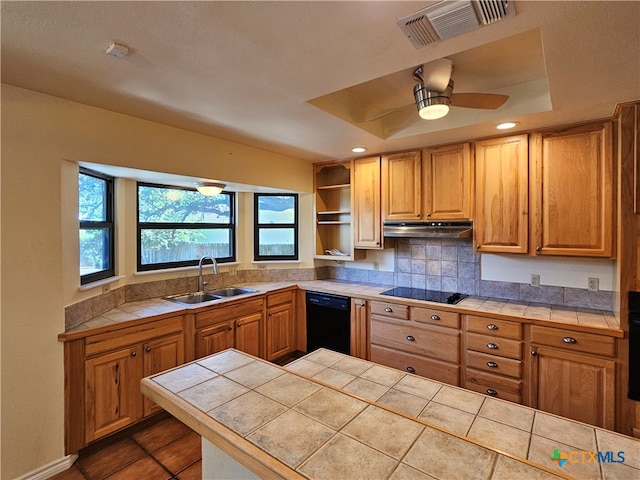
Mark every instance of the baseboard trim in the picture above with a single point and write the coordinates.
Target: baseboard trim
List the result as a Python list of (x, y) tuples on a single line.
[(51, 469)]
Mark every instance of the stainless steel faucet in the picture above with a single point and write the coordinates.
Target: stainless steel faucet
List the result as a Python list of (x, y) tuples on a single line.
[(215, 271)]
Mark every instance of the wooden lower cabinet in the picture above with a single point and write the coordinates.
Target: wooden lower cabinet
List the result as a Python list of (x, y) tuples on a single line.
[(112, 393), (417, 340), (360, 340), (111, 397), (235, 325), (160, 355), (567, 381), (215, 338), (248, 333), (280, 325), (420, 365), (493, 357)]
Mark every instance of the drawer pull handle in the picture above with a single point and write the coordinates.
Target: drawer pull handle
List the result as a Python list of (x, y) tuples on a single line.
[(411, 370), (435, 317), (492, 364), (492, 392), (492, 326), (133, 354), (388, 309), (492, 346), (147, 348), (411, 338), (569, 340), (229, 327)]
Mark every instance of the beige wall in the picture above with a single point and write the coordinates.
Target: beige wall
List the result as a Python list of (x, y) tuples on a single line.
[(42, 139)]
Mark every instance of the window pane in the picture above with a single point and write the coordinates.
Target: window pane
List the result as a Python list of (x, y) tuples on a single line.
[(92, 193), (276, 209), (276, 241), (94, 250), (173, 205), (179, 245)]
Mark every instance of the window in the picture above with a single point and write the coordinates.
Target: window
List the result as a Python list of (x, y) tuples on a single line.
[(276, 227), (177, 226), (95, 213)]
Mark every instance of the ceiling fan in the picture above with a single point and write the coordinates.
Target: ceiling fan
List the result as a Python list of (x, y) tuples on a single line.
[(433, 93)]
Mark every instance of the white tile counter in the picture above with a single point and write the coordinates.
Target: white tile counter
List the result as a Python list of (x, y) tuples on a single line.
[(328, 415)]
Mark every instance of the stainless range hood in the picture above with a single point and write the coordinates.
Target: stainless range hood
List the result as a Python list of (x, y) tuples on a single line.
[(428, 229)]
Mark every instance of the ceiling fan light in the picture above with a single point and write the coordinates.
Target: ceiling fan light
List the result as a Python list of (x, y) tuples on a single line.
[(432, 105), (210, 189), (433, 112)]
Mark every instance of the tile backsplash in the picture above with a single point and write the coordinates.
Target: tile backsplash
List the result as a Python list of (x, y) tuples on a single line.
[(449, 264), (431, 263)]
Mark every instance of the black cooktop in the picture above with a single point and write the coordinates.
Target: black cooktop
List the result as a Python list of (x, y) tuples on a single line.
[(428, 295)]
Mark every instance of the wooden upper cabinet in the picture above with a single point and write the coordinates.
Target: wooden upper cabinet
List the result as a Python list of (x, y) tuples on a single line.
[(366, 204), (502, 199), (572, 191), (402, 186), (447, 182)]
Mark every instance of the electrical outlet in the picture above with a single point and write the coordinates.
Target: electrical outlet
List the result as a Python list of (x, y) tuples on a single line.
[(262, 266), (233, 270), (593, 284), (376, 266), (106, 288), (535, 280)]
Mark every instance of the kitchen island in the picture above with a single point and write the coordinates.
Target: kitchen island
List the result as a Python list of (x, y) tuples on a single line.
[(329, 415)]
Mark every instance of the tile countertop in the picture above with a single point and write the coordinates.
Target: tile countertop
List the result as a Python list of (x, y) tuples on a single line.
[(329, 415), (597, 321)]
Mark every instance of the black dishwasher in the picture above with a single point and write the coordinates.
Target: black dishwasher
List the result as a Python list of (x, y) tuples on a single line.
[(328, 322)]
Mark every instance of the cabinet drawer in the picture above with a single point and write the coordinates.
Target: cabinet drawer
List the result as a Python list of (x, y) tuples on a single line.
[(221, 313), (495, 327), (122, 337), (394, 310), (494, 385), (502, 347), (433, 341), (572, 340), (435, 317), (494, 364), (274, 299), (425, 367)]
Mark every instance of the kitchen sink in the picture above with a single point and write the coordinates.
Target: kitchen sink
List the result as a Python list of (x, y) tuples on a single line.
[(232, 291), (201, 297), (191, 298)]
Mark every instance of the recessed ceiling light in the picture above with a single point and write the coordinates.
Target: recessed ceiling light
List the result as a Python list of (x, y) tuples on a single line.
[(506, 125), (358, 149)]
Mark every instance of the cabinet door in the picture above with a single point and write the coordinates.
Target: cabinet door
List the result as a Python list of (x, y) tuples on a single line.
[(367, 207), (213, 339), (160, 355), (573, 196), (248, 333), (573, 385), (359, 329), (112, 392), (446, 175), (502, 198), (280, 330), (402, 186)]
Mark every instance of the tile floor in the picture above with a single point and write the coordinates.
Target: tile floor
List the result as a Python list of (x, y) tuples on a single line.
[(165, 450)]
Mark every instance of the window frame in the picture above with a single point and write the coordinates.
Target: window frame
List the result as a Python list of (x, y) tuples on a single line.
[(140, 226), (108, 224), (257, 227)]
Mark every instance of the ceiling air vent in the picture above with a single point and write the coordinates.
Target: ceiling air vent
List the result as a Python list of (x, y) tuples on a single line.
[(451, 18)]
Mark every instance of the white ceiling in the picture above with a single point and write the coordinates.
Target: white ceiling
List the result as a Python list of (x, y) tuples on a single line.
[(246, 71)]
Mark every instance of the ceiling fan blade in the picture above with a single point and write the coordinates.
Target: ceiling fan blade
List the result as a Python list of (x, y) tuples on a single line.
[(487, 101)]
